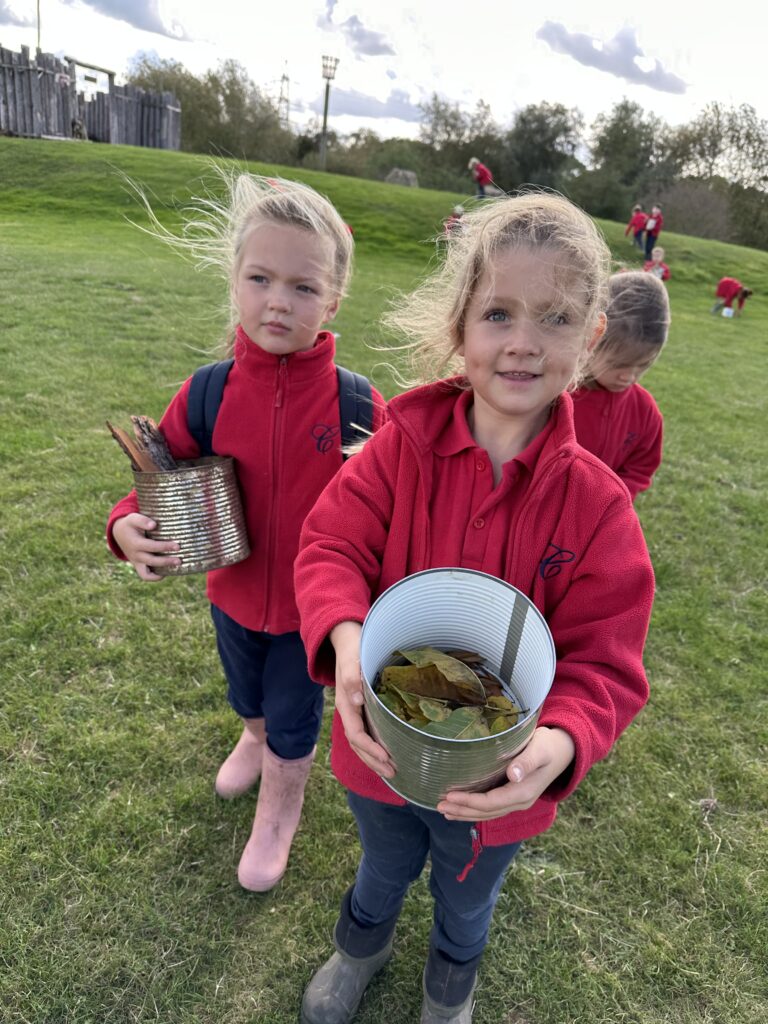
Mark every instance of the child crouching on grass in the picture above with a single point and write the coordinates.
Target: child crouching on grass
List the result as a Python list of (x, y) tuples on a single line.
[(285, 255), (615, 418), (480, 470)]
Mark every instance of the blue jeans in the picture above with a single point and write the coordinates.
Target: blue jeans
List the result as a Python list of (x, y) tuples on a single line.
[(267, 678), (395, 842)]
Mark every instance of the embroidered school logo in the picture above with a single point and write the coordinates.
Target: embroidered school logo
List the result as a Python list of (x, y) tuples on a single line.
[(324, 436), (630, 439), (551, 565)]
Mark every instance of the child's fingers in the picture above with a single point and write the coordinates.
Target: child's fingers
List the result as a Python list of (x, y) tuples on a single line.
[(495, 803), (141, 522), (144, 572), (543, 760), (367, 749)]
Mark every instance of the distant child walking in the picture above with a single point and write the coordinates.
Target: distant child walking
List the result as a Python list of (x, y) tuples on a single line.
[(616, 418), (480, 470), (653, 227), (728, 291), (286, 255), (482, 176), (656, 265), (636, 225)]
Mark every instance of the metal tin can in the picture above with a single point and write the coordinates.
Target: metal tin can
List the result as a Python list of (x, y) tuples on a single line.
[(199, 506), (467, 610)]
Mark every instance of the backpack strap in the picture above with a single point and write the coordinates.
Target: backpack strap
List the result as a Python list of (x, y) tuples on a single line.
[(204, 400), (207, 388), (355, 406)]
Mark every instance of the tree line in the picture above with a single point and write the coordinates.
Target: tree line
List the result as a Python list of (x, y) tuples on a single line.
[(710, 174)]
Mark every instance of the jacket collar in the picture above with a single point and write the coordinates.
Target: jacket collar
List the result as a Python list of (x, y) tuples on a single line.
[(301, 366), (424, 414)]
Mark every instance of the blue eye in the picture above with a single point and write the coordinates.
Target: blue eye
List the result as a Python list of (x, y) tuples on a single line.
[(496, 316), (258, 278), (306, 288), (556, 320)]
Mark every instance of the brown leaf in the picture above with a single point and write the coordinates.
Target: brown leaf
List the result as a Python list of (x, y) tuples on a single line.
[(467, 686)]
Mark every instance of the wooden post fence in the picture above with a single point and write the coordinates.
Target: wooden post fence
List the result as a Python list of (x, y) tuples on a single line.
[(39, 99)]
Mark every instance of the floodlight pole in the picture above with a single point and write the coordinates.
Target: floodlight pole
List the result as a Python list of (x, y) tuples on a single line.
[(329, 70)]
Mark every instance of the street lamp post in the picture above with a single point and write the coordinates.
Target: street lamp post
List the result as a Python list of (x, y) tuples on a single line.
[(329, 70)]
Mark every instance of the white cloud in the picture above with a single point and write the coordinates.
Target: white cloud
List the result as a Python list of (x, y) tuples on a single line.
[(619, 56), (142, 14), (397, 105), (9, 17)]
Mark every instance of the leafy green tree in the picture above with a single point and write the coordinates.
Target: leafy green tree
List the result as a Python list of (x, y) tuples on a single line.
[(222, 111), (542, 143)]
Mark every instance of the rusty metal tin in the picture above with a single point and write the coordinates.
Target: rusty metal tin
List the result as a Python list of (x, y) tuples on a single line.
[(199, 506), (468, 610)]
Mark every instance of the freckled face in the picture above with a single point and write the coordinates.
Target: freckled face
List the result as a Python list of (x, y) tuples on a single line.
[(522, 338), (282, 287)]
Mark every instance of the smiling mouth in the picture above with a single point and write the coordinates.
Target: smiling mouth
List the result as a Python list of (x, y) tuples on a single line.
[(518, 375)]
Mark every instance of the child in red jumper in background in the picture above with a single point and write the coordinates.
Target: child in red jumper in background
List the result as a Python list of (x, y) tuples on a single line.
[(482, 470), (615, 418), (653, 227), (636, 225), (730, 289), (482, 176), (656, 265), (285, 254)]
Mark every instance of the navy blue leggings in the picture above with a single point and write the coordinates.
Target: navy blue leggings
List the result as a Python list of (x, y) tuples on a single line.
[(395, 842), (267, 678)]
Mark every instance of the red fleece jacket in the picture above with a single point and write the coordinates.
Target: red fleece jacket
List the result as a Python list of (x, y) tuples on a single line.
[(728, 288), (482, 174), (576, 550), (624, 429), (637, 222), (654, 224), (279, 420)]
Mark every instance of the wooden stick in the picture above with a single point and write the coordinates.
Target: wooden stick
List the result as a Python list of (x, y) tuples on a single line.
[(140, 460)]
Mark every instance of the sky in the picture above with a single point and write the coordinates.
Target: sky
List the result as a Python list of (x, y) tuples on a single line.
[(670, 57)]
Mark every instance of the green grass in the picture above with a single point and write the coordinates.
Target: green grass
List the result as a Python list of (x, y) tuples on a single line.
[(645, 904)]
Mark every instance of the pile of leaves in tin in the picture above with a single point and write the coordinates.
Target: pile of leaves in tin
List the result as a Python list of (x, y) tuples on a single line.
[(452, 694)]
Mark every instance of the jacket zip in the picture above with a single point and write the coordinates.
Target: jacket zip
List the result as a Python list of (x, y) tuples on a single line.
[(277, 423)]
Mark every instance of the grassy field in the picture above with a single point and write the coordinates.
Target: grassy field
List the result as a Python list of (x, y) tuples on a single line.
[(646, 903)]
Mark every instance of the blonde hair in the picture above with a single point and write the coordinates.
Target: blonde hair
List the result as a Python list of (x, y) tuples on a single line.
[(638, 320), (215, 229), (431, 319)]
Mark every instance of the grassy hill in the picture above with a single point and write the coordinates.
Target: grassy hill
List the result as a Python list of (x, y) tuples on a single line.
[(646, 902)]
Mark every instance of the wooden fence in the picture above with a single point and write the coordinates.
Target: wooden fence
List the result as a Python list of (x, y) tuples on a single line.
[(39, 98)]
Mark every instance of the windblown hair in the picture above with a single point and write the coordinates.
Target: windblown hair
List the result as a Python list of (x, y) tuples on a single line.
[(638, 321), (215, 229), (431, 319)]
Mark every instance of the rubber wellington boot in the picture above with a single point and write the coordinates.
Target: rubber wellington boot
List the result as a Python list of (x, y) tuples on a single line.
[(241, 770), (334, 993), (281, 796), (449, 989)]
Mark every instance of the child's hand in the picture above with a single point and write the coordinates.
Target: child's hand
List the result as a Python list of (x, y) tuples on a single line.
[(349, 698), (547, 755), (140, 550)]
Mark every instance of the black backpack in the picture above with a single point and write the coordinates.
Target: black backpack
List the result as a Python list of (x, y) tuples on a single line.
[(207, 387)]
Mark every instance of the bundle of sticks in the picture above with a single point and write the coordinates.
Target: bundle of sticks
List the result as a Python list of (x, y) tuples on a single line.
[(148, 450)]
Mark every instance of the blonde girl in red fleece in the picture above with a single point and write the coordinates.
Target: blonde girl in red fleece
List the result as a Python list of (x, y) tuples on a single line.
[(285, 255), (480, 470)]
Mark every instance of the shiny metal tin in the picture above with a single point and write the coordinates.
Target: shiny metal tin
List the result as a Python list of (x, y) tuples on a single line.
[(468, 610), (199, 506)]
